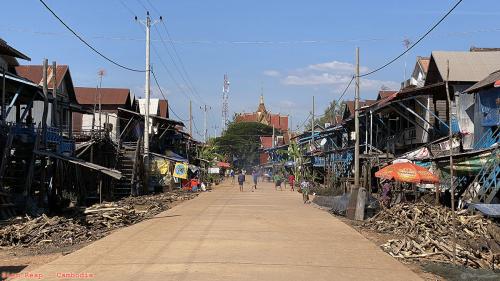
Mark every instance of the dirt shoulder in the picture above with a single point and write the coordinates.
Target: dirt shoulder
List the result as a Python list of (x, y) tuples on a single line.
[(27, 250)]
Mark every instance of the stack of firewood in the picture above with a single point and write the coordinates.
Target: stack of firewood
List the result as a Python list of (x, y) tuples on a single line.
[(45, 230), (88, 224), (425, 232), (110, 216)]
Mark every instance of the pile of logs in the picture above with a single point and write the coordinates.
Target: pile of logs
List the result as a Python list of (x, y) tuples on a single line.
[(44, 230), (88, 224), (425, 232)]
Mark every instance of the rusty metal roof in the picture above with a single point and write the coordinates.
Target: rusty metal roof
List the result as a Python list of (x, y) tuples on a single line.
[(118, 96), (163, 104), (34, 73)]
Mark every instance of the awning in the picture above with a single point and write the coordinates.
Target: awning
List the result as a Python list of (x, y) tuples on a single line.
[(107, 171), (170, 155), (223, 165)]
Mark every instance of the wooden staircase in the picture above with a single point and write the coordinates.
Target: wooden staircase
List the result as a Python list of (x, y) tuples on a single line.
[(486, 185), (128, 164)]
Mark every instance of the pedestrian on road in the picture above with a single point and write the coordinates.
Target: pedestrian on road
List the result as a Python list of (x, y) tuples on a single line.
[(255, 177), (291, 181), (277, 182), (241, 180), (231, 173), (304, 186), (386, 193), (285, 176)]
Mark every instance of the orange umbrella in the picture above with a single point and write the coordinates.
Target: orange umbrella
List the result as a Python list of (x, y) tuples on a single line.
[(407, 172)]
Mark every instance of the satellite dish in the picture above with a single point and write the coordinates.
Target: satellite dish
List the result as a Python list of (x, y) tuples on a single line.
[(323, 142)]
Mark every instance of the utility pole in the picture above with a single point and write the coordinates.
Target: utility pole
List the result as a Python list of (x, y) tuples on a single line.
[(356, 124), (190, 119), (225, 102), (3, 94), (147, 23), (274, 136), (205, 108), (452, 186), (312, 122), (100, 73), (55, 109)]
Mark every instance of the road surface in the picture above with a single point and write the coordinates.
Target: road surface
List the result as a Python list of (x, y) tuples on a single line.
[(230, 235)]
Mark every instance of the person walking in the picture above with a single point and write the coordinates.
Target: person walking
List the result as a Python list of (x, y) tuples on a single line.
[(241, 180), (304, 186), (231, 173), (277, 182), (291, 181), (255, 177)]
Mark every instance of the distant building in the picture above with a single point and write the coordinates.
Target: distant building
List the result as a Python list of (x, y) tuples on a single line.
[(278, 121), (110, 99)]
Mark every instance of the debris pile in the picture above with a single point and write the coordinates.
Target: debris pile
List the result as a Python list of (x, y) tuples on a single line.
[(426, 233), (44, 230), (87, 224)]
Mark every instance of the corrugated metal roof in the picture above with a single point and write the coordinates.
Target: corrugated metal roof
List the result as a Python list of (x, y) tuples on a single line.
[(466, 66), (6, 49), (87, 96), (351, 105), (488, 81), (385, 93), (35, 73)]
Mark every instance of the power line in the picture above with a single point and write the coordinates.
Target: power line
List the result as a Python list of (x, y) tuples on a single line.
[(305, 121), (185, 79), (181, 89), (180, 60), (163, 95), (127, 8), (346, 88), (85, 42), (257, 42), (183, 72), (416, 42)]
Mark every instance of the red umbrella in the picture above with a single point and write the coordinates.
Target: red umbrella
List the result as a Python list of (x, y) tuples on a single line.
[(407, 172)]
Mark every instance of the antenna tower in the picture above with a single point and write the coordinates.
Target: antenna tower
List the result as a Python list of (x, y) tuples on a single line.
[(225, 103)]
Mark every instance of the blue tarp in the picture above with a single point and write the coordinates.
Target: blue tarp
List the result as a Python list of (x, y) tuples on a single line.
[(489, 108), (172, 156), (490, 210)]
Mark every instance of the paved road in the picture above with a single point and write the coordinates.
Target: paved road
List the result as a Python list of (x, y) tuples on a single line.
[(229, 235)]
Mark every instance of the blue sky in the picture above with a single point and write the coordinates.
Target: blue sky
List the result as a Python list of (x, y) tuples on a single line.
[(292, 49)]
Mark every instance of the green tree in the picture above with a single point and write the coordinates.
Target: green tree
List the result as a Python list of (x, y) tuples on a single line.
[(334, 108), (241, 142)]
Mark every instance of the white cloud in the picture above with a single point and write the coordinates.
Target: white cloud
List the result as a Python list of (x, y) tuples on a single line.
[(334, 75), (287, 104), (316, 79), (272, 73), (336, 66)]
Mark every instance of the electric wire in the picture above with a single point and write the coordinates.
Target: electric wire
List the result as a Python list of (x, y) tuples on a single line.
[(127, 8), (416, 42), (163, 95), (86, 43), (182, 71), (177, 68)]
